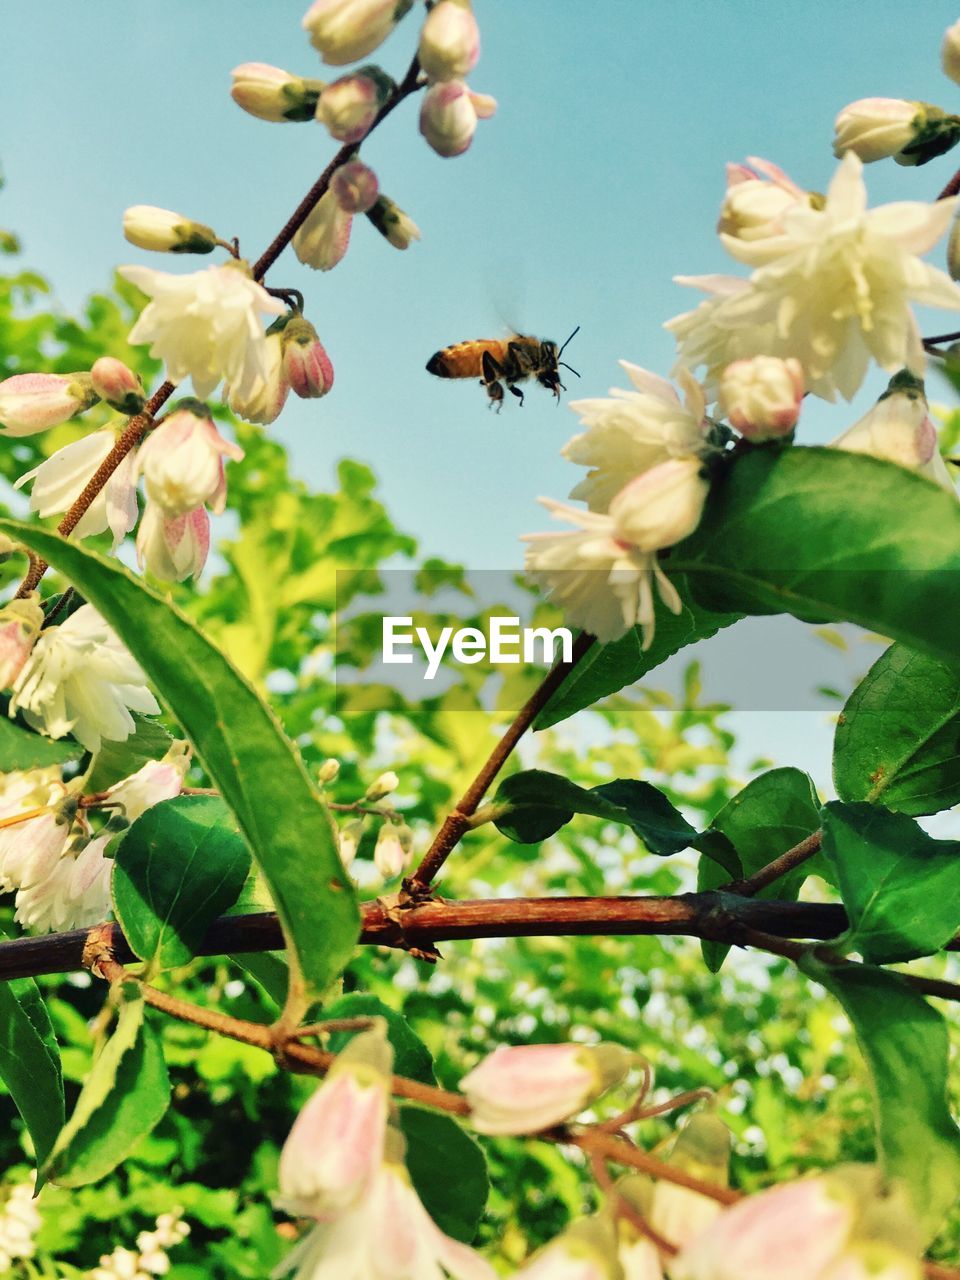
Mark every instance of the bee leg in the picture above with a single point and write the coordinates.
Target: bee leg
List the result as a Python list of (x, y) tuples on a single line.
[(515, 391), (495, 392)]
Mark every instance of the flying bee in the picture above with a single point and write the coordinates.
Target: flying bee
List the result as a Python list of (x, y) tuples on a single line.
[(503, 362)]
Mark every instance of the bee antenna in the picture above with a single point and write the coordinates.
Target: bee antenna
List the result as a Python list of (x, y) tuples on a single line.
[(564, 365), (567, 343)]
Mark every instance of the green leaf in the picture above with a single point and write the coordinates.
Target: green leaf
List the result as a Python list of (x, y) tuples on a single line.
[(253, 765), (605, 668), (123, 1097), (448, 1170), (769, 816), (20, 748), (178, 867), (828, 535), (898, 738), (905, 1044), (30, 1063), (411, 1056), (901, 888), (117, 760)]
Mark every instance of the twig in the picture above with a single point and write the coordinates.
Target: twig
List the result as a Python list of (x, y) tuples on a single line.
[(794, 857), (457, 823)]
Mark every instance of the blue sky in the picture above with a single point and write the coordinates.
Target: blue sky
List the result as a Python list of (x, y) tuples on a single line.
[(599, 179)]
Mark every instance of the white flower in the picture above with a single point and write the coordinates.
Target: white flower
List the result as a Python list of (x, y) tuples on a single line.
[(19, 1222), (751, 217), (58, 482), (267, 399), (205, 325), (449, 113), (390, 857), (323, 239), (34, 836), (836, 294), (154, 781), (81, 679), (74, 895), (182, 461), (20, 623), (173, 547), (877, 128), (602, 574), (633, 431), (344, 30), (389, 1235)]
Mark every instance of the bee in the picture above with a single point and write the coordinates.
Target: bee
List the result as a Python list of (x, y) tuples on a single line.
[(503, 362)]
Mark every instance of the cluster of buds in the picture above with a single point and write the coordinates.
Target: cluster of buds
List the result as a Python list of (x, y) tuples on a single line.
[(19, 1223), (393, 848), (448, 51), (33, 402), (150, 1258)]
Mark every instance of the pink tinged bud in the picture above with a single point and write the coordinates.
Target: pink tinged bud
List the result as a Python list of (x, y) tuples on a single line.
[(527, 1088), (173, 548), (392, 852), (269, 93), (877, 128), (393, 224), (336, 1145), (350, 105), (355, 187), (164, 231), (950, 52), (897, 429), (20, 624), (792, 1232), (154, 781), (661, 506), (323, 239), (182, 461), (761, 397), (306, 364), (348, 841), (449, 114), (264, 402), (32, 402), (450, 41), (344, 30), (587, 1250), (118, 385)]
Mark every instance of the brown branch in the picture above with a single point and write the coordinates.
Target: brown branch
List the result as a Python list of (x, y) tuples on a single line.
[(142, 422), (457, 823), (794, 857)]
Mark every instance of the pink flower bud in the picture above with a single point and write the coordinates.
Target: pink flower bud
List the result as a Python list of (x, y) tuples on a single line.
[(164, 231), (306, 364), (527, 1088), (20, 624), (154, 781), (182, 461), (269, 93), (173, 548), (761, 397), (661, 506), (118, 385), (392, 223), (449, 114), (32, 402), (449, 41), (344, 30), (336, 1144), (897, 428), (355, 187), (350, 105)]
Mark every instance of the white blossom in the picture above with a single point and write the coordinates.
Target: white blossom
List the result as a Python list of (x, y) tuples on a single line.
[(58, 482), (173, 547), (182, 462), (81, 679), (205, 325), (19, 1222), (323, 239), (74, 895), (836, 294), (268, 397), (154, 781), (449, 114)]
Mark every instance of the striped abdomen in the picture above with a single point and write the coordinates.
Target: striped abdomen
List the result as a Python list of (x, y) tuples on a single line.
[(464, 359)]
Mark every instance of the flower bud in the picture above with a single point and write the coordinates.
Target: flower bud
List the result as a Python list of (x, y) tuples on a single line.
[(267, 397), (336, 1144), (587, 1250), (393, 223), (355, 187), (450, 41), (449, 114), (897, 428), (350, 105), (344, 30), (323, 239), (348, 841), (528, 1088), (701, 1148), (306, 365), (118, 385), (173, 547), (328, 771), (761, 397), (950, 52), (382, 786), (661, 506), (270, 93), (182, 461), (876, 128), (392, 851), (32, 402), (758, 195), (151, 228), (20, 624)]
